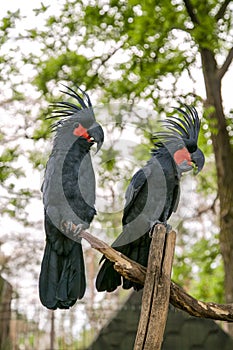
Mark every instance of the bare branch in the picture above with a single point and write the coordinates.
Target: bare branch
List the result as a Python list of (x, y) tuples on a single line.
[(226, 64), (125, 266), (201, 211), (7, 101), (191, 12), (105, 59), (222, 10), (178, 297)]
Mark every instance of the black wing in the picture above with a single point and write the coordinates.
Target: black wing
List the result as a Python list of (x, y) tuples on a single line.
[(137, 183), (146, 199)]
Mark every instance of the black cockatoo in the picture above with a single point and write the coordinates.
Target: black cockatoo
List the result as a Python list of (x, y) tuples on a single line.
[(69, 198), (153, 193)]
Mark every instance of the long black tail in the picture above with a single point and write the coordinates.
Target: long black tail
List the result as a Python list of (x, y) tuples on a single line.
[(62, 277), (108, 279)]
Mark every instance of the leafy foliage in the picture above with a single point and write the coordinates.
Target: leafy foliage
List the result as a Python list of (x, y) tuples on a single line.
[(200, 270)]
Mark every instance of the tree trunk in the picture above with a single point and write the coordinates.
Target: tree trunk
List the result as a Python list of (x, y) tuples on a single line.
[(5, 313), (224, 165)]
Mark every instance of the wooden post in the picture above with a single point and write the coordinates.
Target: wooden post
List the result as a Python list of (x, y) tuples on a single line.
[(156, 293), (137, 273)]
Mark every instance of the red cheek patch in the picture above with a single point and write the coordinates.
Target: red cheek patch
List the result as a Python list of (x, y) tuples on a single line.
[(81, 131), (181, 155)]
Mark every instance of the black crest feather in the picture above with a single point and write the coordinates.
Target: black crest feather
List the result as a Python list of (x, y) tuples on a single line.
[(186, 128), (67, 109)]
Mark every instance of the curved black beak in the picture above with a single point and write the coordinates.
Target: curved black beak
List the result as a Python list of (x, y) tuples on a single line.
[(198, 159), (97, 135)]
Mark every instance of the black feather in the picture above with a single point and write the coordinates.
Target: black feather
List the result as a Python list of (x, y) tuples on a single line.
[(186, 128), (64, 110), (153, 194), (78, 97), (68, 196)]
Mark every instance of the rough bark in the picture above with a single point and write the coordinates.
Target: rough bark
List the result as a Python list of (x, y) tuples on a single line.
[(223, 150), (5, 313), (156, 292), (224, 165), (178, 297)]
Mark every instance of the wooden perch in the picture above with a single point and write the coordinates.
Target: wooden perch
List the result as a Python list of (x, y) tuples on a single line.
[(178, 297), (125, 266), (156, 292)]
